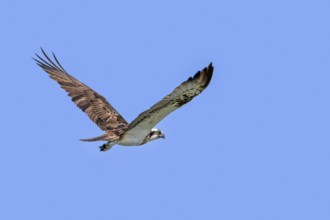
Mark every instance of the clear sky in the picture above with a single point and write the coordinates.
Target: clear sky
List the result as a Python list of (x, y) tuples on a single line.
[(255, 145)]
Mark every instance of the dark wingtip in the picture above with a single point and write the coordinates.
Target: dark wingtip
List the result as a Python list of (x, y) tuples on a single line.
[(208, 74), (37, 56), (210, 66), (47, 62)]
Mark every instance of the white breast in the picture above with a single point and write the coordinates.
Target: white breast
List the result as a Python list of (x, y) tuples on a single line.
[(134, 137)]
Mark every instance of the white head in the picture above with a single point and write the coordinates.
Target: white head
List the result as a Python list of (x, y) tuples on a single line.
[(155, 134)]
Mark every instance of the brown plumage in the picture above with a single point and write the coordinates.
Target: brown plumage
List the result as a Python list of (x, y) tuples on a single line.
[(99, 110)]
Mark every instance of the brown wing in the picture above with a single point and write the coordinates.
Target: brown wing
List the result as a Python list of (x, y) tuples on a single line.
[(177, 98), (93, 104)]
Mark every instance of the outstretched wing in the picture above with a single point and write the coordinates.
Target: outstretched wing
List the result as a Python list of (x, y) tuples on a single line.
[(177, 98), (93, 104)]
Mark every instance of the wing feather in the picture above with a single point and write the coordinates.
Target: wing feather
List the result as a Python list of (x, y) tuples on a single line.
[(181, 95), (93, 104)]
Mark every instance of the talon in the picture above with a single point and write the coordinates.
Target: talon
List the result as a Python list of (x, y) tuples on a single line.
[(103, 147), (106, 146)]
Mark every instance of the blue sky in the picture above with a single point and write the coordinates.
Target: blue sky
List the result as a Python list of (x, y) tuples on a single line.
[(254, 145)]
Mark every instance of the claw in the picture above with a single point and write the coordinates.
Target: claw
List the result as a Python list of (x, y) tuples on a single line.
[(107, 146)]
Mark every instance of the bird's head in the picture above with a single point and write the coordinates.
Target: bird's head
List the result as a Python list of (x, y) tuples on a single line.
[(155, 134)]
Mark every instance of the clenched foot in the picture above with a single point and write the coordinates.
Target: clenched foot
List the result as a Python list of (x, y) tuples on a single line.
[(106, 146)]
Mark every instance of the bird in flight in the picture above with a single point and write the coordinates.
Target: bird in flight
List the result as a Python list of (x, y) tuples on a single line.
[(117, 130)]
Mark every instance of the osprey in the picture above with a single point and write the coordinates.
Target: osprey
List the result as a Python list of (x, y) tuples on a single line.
[(117, 131)]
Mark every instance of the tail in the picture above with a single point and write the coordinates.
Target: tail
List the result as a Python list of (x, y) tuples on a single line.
[(103, 137)]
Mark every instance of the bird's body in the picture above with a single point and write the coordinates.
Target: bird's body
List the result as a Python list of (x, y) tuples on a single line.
[(117, 130)]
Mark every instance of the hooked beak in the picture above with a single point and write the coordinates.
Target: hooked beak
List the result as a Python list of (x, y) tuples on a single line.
[(162, 135)]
